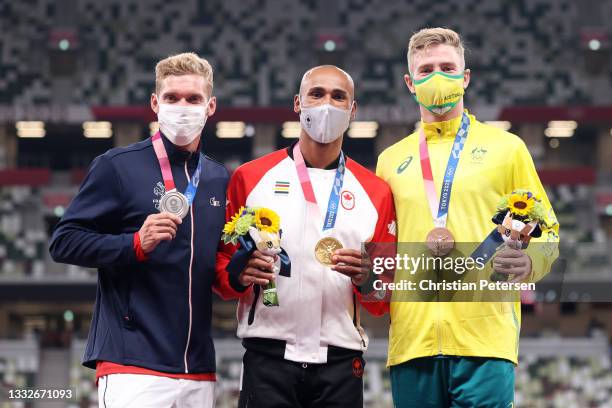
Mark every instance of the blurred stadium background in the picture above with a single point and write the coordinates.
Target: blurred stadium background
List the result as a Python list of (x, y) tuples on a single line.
[(76, 77)]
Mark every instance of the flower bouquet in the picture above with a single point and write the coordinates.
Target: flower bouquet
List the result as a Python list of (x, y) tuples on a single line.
[(519, 217), (257, 228)]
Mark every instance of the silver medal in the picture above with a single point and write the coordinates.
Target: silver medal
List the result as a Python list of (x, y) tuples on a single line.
[(174, 202)]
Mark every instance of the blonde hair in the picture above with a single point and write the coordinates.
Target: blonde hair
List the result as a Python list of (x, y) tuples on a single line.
[(434, 36), (187, 63)]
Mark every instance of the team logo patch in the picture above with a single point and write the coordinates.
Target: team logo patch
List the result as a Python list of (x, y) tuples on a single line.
[(392, 228), (159, 190), (281, 188), (348, 200), (357, 367), (404, 165), (478, 154)]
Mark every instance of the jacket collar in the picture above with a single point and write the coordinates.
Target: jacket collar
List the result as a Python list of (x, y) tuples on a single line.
[(176, 155), (439, 131), (332, 166)]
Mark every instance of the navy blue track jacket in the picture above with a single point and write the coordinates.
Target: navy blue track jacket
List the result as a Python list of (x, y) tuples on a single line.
[(154, 313)]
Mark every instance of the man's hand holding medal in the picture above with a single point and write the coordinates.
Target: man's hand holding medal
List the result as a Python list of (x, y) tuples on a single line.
[(157, 228)]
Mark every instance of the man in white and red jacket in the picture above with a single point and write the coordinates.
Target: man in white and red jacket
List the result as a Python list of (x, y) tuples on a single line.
[(308, 351)]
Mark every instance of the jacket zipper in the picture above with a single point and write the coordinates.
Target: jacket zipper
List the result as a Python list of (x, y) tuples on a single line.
[(438, 329), (304, 220), (190, 266), (439, 323)]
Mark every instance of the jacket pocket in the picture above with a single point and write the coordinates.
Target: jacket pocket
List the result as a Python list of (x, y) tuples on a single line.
[(127, 318), (491, 334)]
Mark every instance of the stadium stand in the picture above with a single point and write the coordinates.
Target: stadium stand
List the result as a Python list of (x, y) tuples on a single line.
[(19, 363), (23, 240), (523, 52), (82, 379)]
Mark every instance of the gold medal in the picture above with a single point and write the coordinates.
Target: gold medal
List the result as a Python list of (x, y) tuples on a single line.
[(325, 248), (440, 241)]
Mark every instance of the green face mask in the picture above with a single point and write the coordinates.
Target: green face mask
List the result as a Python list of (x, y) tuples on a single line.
[(439, 92)]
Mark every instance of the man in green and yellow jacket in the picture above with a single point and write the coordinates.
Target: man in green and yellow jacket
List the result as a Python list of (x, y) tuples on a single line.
[(457, 354)]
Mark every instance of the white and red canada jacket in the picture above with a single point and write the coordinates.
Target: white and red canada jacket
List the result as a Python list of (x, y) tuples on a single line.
[(318, 307)]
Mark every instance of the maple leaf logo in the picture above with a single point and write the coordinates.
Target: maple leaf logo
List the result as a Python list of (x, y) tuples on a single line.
[(348, 200)]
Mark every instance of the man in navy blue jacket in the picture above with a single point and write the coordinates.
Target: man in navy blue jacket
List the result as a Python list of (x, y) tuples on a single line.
[(149, 216)]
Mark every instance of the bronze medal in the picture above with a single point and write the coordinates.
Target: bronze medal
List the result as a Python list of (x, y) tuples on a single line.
[(324, 250), (440, 241)]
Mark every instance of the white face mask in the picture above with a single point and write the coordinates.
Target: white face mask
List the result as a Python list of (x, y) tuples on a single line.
[(181, 124), (325, 123)]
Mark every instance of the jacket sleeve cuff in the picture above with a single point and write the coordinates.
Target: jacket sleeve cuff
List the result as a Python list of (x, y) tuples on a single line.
[(368, 286), (235, 283), (140, 255)]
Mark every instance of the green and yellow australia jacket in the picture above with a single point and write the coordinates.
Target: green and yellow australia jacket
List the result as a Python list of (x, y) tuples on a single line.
[(492, 164)]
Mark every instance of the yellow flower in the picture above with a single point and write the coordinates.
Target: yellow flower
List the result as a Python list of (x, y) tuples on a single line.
[(230, 226), (267, 220), (520, 204)]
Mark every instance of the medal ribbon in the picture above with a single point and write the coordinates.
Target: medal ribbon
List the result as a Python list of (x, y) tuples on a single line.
[(488, 247), (334, 195), (164, 164), (439, 207)]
